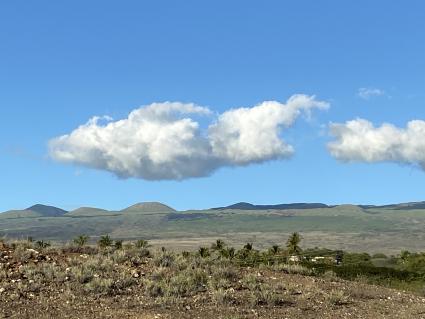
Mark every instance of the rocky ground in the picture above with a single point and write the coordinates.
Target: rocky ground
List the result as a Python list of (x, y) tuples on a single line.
[(135, 283)]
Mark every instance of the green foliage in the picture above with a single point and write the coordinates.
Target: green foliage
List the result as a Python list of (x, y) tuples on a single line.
[(81, 240), (274, 249), (379, 256), (228, 253), (292, 244), (413, 262), (141, 243), (337, 298), (164, 259), (248, 246), (105, 241), (118, 244), (42, 244), (218, 245), (203, 252), (357, 259)]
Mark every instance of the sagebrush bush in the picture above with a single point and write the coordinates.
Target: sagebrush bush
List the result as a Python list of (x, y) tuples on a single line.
[(222, 296), (294, 269), (164, 259), (337, 298), (100, 286), (267, 295), (251, 281), (229, 273)]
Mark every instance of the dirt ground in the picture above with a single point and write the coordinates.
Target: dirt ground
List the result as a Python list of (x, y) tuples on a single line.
[(27, 292)]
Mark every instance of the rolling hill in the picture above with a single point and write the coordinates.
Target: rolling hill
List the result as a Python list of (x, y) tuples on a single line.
[(249, 206), (386, 228), (88, 211), (37, 210), (149, 207), (45, 210)]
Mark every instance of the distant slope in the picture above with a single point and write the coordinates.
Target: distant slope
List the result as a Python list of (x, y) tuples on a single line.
[(20, 214), (34, 211), (401, 206), (87, 212), (47, 211), (249, 206), (149, 207)]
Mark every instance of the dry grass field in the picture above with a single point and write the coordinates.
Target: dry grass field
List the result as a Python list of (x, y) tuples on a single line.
[(136, 281)]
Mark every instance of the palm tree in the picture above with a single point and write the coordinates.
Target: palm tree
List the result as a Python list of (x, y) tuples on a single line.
[(42, 244), (248, 246), (141, 243), (118, 244), (105, 241), (203, 252), (81, 240), (218, 245), (228, 253), (292, 244), (274, 249)]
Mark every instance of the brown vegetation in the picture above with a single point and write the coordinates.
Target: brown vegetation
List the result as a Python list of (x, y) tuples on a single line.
[(130, 281)]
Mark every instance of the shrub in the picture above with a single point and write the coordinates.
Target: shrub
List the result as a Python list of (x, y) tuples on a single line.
[(82, 274), (165, 259), (203, 252), (218, 245), (295, 269), (118, 244), (337, 298), (155, 288), (187, 282), (226, 272), (105, 241), (100, 286), (356, 259), (228, 253), (222, 296), (251, 282), (42, 244), (81, 240), (267, 295), (141, 243)]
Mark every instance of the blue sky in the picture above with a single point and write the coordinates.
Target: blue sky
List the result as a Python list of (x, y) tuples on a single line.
[(63, 63)]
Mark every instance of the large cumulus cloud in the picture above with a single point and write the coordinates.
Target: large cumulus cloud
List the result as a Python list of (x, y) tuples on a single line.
[(166, 141), (360, 141)]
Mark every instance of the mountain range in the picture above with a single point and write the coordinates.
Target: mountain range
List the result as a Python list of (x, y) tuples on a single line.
[(40, 210), (384, 228)]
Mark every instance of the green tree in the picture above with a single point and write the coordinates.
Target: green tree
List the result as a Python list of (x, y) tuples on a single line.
[(141, 243), (81, 240), (218, 245), (204, 252), (248, 246), (105, 241), (228, 253), (118, 244), (293, 243), (42, 244), (274, 249)]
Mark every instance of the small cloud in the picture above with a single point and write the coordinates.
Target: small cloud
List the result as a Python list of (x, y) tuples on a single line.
[(360, 141), (367, 93)]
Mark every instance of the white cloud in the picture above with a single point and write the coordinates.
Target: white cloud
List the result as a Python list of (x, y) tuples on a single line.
[(164, 141), (360, 141), (367, 93), (246, 135)]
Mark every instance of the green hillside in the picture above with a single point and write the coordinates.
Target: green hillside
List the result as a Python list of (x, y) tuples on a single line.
[(87, 212), (384, 229), (149, 207)]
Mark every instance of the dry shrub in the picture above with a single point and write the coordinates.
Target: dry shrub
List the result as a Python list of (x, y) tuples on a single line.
[(337, 298)]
